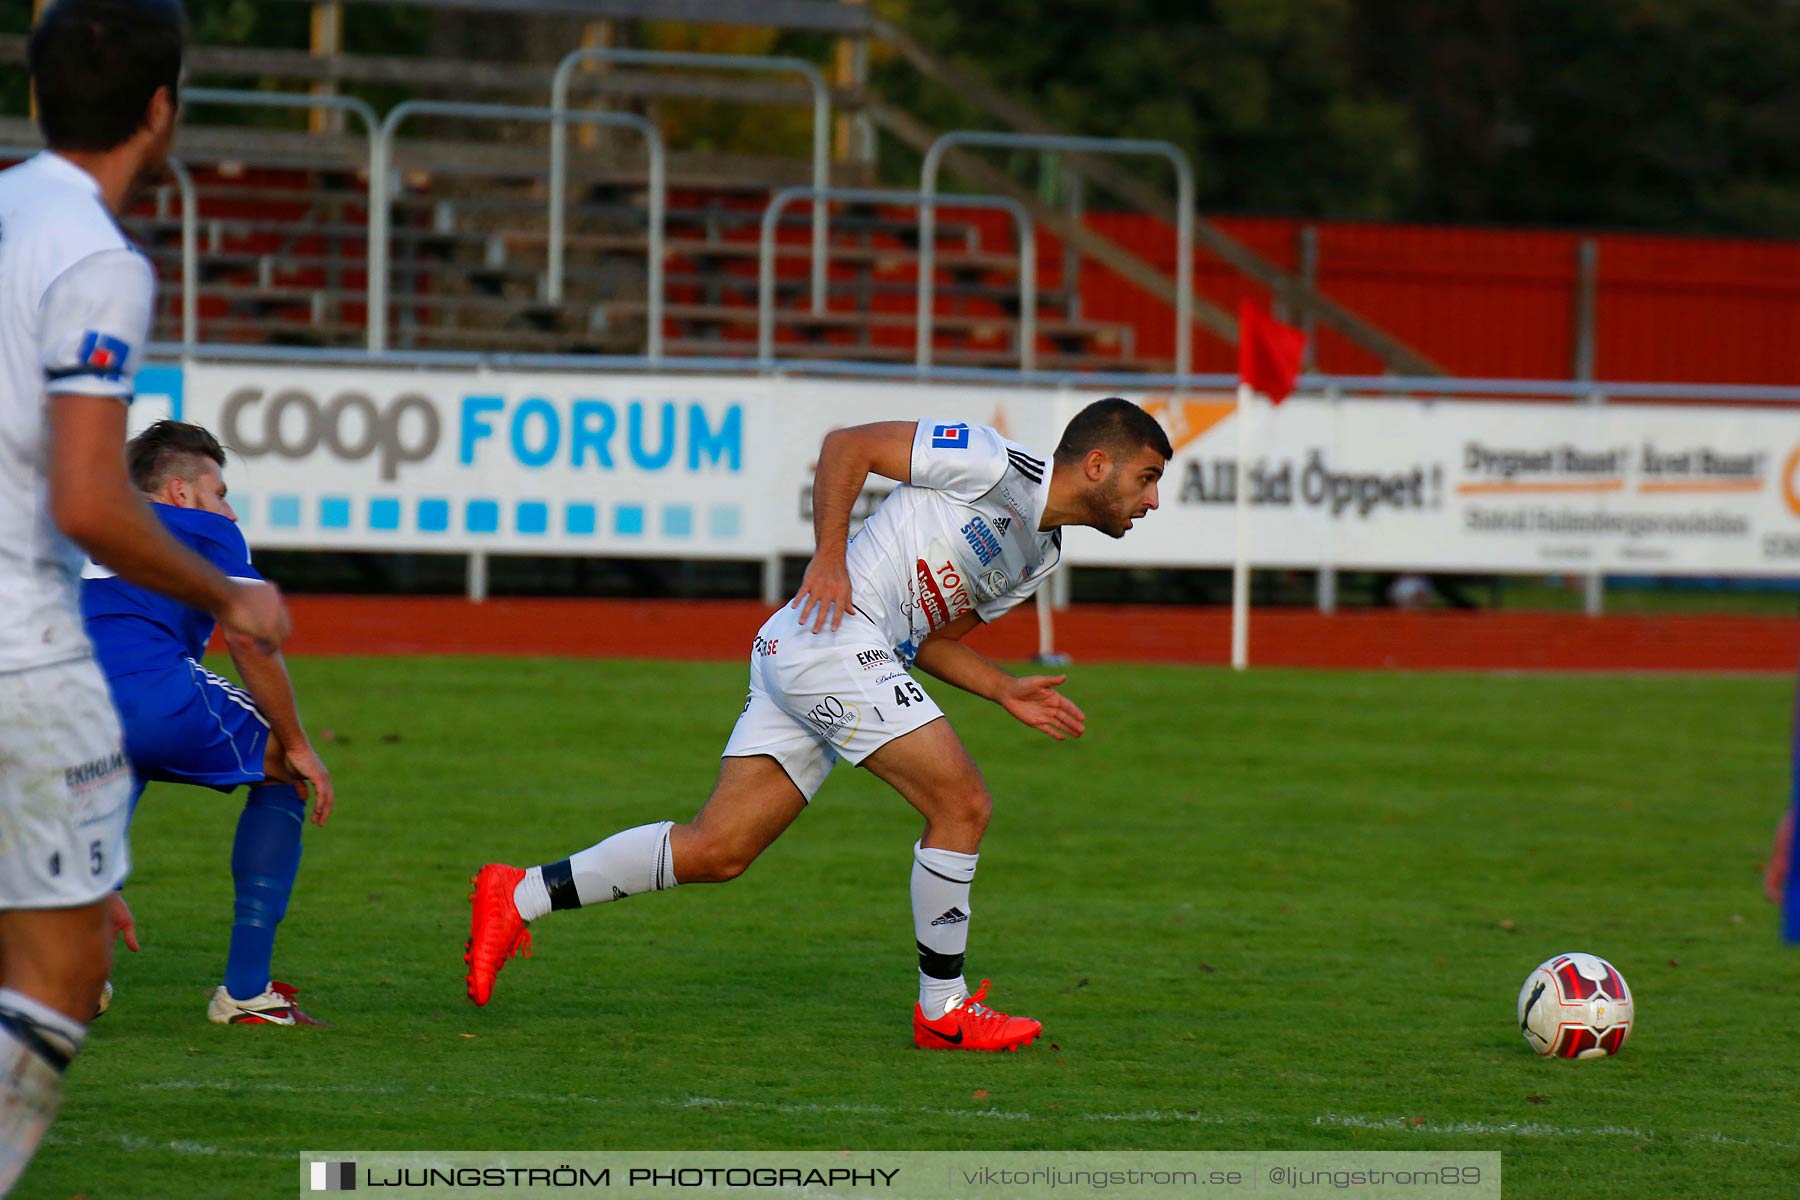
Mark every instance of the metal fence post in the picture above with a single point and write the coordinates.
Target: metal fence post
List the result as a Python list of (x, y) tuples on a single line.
[(765, 291), (384, 152), (559, 154), (1184, 218), (371, 123)]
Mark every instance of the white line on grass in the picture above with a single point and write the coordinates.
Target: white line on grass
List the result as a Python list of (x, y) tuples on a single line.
[(131, 1142), (265, 1085), (862, 1110), (1538, 1129), (1532, 1129)]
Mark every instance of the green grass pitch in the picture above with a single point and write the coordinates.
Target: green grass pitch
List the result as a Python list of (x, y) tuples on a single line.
[(1283, 910)]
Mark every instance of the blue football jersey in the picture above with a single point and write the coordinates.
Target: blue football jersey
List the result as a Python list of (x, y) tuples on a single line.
[(134, 629)]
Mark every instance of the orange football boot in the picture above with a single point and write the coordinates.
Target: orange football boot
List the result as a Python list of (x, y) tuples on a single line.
[(969, 1025), (496, 931)]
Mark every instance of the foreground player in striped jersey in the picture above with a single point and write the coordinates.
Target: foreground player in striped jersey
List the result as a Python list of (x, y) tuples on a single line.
[(183, 724), (975, 529)]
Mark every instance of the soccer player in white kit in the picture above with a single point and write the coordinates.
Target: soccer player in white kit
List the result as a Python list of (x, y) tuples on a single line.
[(974, 530), (75, 310)]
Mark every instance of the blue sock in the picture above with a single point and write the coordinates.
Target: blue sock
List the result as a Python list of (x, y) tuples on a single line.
[(264, 860)]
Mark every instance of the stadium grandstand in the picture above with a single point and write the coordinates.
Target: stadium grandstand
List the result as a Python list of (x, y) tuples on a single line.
[(722, 183), (283, 217)]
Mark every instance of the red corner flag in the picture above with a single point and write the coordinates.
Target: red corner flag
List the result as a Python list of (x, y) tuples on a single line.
[(1268, 353)]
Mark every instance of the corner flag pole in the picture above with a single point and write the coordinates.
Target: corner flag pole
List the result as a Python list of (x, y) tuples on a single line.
[(1240, 570), (1269, 356)]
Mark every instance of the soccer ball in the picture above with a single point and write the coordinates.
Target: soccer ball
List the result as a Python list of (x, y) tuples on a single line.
[(1575, 1006)]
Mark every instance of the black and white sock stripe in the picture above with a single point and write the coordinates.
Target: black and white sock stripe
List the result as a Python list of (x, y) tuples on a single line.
[(28, 1033)]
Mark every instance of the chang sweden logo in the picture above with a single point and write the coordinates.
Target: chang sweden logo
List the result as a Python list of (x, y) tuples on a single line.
[(981, 540)]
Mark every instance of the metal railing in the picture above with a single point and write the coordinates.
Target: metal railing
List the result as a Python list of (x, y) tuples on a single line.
[(382, 138), (1184, 224), (294, 100), (559, 153), (765, 291), (190, 254), (379, 183)]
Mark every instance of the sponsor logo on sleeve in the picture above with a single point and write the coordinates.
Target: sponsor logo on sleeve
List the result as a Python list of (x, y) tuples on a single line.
[(104, 355), (995, 583), (950, 437)]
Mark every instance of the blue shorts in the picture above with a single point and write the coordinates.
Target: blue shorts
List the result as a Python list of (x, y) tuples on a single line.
[(187, 725)]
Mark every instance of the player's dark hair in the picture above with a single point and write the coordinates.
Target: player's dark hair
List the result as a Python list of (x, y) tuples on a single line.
[(1119, 427), (166, 451), (95, 64)]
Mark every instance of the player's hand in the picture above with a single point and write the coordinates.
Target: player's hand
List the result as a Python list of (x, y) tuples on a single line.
[(1035, 701), (1780, 855), (827, 585), (256, 611), (120, 922), (306, 763)]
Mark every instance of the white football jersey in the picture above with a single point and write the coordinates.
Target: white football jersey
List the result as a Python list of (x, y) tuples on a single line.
[(75, 307), (961, 537)]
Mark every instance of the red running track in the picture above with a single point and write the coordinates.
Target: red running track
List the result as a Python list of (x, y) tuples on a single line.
[(721, 629)]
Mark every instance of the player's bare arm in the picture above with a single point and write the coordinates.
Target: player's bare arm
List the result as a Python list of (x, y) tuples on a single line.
[(1032, 699), (846, 460), (265, 677), (96, 506)]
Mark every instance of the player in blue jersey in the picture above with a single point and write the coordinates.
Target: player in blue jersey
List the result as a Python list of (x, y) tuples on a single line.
[(184, 724)]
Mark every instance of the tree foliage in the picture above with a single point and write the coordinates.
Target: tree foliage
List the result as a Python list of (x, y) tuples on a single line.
[(1668, 114), (1653, 114)]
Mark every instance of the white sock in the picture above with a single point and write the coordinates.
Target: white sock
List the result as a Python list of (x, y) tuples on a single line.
[(531, 897), (36, 1043), (940, 906), (637, 860)]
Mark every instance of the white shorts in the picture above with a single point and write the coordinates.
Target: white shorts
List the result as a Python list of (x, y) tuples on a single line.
[(818, 697), (65, 788)]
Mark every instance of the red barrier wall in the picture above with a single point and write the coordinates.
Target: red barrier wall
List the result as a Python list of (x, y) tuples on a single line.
[(1485, 302)]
